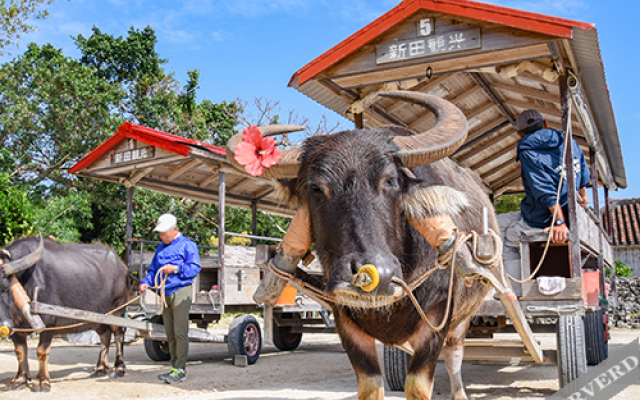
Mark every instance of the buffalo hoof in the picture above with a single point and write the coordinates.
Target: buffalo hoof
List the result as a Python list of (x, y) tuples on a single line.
[(19, 384), (42, 386), (117, 373), (98, 373)]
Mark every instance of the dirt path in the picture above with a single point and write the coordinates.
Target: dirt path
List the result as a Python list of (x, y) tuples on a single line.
[(318, 369)]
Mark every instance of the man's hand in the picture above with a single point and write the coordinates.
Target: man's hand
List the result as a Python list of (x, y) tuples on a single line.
[(583, 200), (168, 269), (142, 288), (559, 233)]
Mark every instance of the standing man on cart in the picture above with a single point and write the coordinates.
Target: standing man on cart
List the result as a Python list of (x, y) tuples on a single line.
[(178, 259)]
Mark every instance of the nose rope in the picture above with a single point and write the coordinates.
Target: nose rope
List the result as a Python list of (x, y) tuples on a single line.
[(444, 261)]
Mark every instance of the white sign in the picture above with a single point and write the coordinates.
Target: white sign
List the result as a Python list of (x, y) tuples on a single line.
[(449, 42), (425, 27), (132, 155)]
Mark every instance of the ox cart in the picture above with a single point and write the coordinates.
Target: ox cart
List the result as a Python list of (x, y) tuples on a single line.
[(493, 63), (137, 156)]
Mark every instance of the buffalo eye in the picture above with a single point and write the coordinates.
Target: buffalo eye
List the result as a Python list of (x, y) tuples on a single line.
[(392, 182), (318, 190)]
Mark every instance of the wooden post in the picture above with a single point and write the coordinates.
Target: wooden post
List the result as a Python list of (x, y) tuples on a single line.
[(596, 209), (221, 235), (607, 213), (574, 235), (357, 117), (129, 227), (254, 222)]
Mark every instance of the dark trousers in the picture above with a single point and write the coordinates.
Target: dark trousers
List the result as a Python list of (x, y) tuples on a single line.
[(176, 325)]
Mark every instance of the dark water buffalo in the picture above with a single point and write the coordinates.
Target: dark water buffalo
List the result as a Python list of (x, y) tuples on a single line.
[(85, 276), (359, 192)]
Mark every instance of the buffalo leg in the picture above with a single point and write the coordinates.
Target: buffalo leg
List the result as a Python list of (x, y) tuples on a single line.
[(102, 366), (44, 350), (453, 354), (118, 364), (20, 348), (427, 345), (361, 349)]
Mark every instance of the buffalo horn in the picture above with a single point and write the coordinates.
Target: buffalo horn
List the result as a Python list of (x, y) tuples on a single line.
[(449, 132), (25, 262), (287, 166)]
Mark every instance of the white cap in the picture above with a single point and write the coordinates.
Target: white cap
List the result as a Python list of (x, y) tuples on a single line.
[(166, 222)]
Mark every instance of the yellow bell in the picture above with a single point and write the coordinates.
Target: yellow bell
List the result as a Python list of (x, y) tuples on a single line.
[(372, 272), (4, 331)]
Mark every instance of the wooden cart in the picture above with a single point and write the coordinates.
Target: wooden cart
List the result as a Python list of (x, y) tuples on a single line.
[(493, 63)]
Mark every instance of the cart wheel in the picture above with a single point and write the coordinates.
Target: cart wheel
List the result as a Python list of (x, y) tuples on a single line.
[(395, 367), (597, 347), (245, 338), (572, 358), (283, 338), (157, 350)]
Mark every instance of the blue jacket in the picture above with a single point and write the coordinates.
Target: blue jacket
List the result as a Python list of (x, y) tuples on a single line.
[(181, 252), (540, 155)]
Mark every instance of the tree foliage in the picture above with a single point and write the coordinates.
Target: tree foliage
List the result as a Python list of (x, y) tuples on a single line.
[(507, 203), (14, 17), (55, 109)]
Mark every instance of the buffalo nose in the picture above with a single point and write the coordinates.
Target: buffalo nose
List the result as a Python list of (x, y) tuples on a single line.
[(5, 328), (376, 277)]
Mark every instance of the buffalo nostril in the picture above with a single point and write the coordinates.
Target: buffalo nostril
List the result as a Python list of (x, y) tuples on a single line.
[(354, 266)]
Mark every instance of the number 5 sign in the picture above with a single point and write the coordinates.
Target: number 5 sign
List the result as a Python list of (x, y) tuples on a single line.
[(425, 27)]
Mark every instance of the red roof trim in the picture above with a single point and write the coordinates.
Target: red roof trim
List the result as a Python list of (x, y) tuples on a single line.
[(175, 144), (525, 20)]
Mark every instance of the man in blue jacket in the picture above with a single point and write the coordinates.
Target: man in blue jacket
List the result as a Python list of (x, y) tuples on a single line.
[(540, 152), (177, 257)]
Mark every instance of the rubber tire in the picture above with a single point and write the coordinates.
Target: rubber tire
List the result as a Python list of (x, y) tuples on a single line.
[(572, 357), (283, 339), (236, 339), (157, 350), (396, 363), (597, 347)]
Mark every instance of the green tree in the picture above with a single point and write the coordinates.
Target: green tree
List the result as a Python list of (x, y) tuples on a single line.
[(14, 17), (16, 211), (507, 203)]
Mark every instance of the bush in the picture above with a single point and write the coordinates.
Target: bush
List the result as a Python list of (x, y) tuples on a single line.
[(622, 270)]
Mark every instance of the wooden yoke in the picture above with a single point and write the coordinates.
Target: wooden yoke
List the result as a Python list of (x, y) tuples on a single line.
[(289, 252), (22, 302), (441, 233)]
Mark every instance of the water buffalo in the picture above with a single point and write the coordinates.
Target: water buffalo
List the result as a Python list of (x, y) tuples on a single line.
[(363, 191), (85, 276)]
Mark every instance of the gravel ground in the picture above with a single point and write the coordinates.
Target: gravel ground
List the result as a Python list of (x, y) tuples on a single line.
[(318, 369)]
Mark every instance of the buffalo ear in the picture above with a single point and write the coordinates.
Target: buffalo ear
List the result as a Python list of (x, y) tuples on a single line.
[(421, 201)]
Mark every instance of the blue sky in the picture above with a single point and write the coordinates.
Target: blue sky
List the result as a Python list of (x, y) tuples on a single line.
[(251, 48)]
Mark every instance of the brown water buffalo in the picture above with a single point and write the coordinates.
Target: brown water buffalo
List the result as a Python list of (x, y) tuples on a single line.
[(361, 189), (85, 276)]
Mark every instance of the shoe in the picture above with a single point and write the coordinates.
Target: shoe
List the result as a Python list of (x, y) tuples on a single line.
[(175, 376), (162, 376)]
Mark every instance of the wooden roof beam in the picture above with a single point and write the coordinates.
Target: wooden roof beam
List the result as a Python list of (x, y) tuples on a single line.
[(493, 96), (493, 156), (478, 111), (507, 179), (443, 66), (527, 91), (454, 100), (183, 168), (469, 146), (134, 177)]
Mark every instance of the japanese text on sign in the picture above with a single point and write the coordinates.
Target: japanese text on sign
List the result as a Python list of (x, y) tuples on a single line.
[(449, 42), (132, 155)]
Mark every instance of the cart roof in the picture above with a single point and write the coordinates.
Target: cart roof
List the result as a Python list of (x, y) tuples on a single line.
[(492, 62), (156, 160)]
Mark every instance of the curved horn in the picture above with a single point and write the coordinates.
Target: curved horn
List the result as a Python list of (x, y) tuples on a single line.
[(439, 142), (25, 262), (287, 166)]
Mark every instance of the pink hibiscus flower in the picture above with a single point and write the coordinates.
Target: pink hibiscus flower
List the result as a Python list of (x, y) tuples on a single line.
[(255, 152)]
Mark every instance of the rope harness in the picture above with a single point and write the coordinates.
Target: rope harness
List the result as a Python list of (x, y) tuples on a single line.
[(159, 285), (444, 261)]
